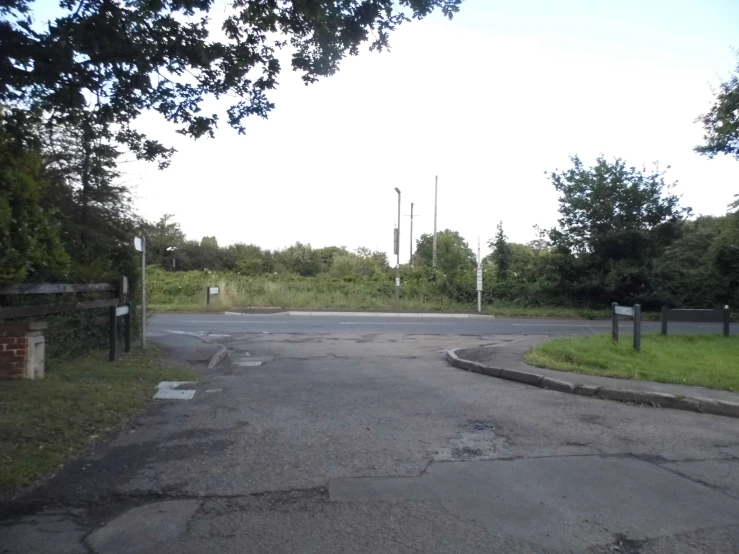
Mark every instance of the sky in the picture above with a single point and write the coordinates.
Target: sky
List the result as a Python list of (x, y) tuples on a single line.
[(489, 102)]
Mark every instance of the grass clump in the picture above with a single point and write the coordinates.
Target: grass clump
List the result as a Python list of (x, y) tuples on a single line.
[(701, 360), (47, 422)]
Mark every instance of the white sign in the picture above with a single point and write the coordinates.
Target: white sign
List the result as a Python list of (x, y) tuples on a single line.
[(121, 310), (137, 243), (479, 278), (623, 310), (213, 290), (397, 281)]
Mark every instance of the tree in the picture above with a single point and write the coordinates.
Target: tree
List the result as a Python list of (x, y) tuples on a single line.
[(614, 221), (164, 240), (721, 123), (107, 61), (501, 252), (452, 252), (30, 243)]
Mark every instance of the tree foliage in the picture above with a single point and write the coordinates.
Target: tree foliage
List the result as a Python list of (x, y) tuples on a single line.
[(501, 255), (452, 251), (614, 221), (721, 123), (105, 62), (30, 245)]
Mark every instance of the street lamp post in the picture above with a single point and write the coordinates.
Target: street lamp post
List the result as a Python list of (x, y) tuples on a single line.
[(397, 272)]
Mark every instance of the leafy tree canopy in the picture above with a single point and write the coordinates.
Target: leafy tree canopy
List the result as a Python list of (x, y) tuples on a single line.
[(452, 254), (501, 255), (721, 123), (107, 61)]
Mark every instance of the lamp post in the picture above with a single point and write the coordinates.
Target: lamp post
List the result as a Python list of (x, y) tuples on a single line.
[(397, 272), (174, 258)]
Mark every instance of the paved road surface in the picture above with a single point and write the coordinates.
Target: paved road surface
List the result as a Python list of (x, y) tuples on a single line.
[(279, 323), (362, 439)]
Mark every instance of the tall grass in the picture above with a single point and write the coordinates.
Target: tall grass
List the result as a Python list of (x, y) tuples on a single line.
[(186, 291)]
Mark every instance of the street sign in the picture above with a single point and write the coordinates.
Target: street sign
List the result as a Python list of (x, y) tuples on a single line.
[(137, 244), (623, 310), (634, 313), (213, 290), (479, 278), (121, 310), (397, 281)]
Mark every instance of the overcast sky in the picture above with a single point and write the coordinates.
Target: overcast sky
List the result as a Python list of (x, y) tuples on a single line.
[(488, 102)]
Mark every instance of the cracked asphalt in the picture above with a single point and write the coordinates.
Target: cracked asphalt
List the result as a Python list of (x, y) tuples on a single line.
[(347, 441)]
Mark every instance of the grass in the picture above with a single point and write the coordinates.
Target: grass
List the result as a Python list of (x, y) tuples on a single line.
[(702, 360), (47, 422)]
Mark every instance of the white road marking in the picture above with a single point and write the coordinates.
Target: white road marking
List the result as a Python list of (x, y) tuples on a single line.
[(555, 325), (248, 364), (214, 390), (390, 323)]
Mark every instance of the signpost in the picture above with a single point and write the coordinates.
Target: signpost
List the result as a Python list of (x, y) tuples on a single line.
[(212, 291), (479, 289), (139, 243), (635, 314)]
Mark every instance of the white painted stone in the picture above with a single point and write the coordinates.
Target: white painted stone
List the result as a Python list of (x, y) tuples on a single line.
[(173, 394), (174, 384)]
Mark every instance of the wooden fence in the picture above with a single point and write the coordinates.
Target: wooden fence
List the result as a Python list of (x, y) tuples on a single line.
[(116, 303)]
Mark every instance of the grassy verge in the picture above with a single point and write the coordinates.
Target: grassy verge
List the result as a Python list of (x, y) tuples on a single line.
[(45, 423), (702, 360)]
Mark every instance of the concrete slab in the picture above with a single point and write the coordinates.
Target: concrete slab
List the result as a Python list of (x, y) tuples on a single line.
[(144, 529), (565, 503), (722, 474)]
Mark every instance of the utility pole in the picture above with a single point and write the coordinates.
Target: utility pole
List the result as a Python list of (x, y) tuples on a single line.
[(436, 197), (411, 258), (397, 251), (479, 278), (143, 290)]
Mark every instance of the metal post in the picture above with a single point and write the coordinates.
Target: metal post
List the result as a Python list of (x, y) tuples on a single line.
[(207, 296), (637, 327), (128, 329), (614, 322), (663, 319), (436, 197), (410, 260), (112, 340), (479, 272), (143, 291), (727, 321), (397, 273)]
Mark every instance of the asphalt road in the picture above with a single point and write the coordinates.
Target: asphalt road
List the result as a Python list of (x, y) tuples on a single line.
[(345, 324), (318, 436)]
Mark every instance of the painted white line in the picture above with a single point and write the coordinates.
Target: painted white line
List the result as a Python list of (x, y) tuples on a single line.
[(173, 384), (214, 390), (172, 394), (555, 325), (389, 323), (249, 364), (231, 322), (419, 315)]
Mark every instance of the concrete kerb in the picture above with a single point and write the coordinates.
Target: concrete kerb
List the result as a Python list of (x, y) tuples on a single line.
[(651, 398)]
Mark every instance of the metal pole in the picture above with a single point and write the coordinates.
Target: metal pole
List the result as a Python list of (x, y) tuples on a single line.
[(727, 321), (479, 269), (436, 198), (143, 291), (112, 316), (637, 327), (614, 322), (663, 319), (397, 273), (128, 329), (410, 260)]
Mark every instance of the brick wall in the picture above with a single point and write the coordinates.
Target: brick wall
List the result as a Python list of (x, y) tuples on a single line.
[(13, 353)]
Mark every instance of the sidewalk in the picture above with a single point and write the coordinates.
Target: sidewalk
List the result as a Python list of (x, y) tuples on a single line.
[(505, 361)]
